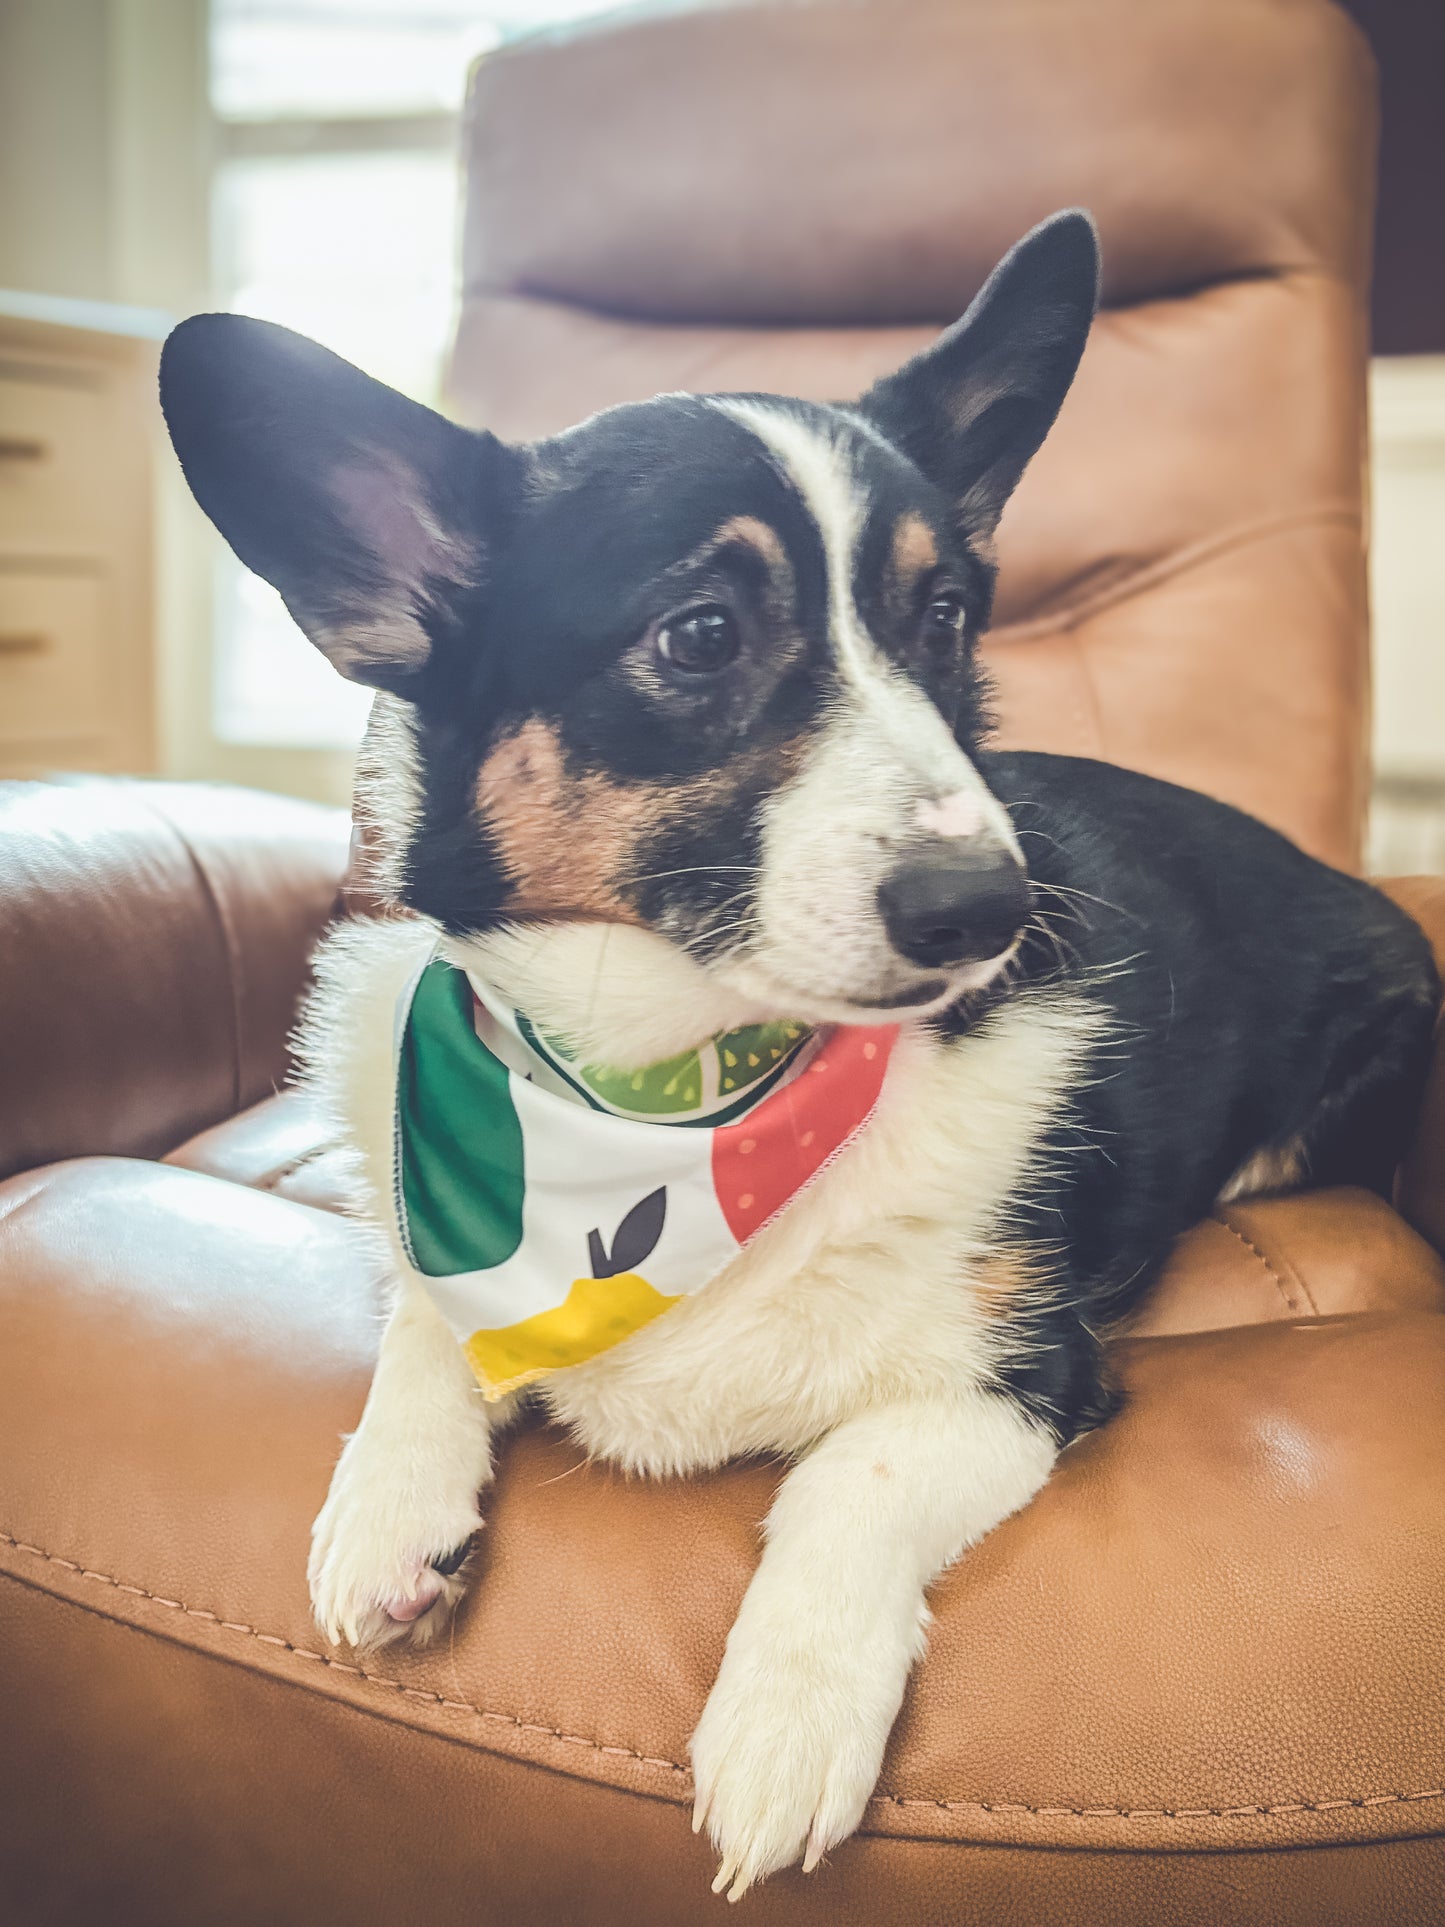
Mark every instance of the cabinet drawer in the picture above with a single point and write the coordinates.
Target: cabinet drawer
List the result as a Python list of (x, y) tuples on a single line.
[(52, 677), (57, 460)]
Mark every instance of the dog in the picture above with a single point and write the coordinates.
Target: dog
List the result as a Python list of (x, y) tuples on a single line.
[(679, 729)]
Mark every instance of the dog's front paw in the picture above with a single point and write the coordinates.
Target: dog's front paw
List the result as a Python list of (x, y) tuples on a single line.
[(786, 1754), (388, 1554)]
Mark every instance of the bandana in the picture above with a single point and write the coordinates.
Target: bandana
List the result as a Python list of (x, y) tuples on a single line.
[(552, 1208)]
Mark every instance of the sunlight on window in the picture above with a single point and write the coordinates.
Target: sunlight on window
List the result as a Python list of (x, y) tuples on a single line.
[(360, 57), (355, 249), (270, 685), (335, 213), (342, 57)]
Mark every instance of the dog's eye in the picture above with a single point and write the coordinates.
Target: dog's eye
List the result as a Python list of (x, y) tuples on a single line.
[(699, 643), (943, 620)]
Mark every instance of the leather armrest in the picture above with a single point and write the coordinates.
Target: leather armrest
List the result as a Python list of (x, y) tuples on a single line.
[(1420, 1193), (154, 940)]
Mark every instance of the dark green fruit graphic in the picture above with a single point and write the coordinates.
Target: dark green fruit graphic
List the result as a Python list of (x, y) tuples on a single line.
[(636, 1239)]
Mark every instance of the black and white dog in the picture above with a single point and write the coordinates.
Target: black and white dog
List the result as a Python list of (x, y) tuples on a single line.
[(680, 728)]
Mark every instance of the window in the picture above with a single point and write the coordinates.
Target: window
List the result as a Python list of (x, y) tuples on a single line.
[(335, 207)]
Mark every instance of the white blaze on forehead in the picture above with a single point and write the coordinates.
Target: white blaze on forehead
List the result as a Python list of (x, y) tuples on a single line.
[(819, 468), (910, 734)]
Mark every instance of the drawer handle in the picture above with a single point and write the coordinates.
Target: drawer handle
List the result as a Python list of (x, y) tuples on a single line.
[(23, 642), (22, 448)]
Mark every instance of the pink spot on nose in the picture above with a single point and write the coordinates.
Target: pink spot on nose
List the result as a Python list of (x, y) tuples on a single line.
[(960, 814)]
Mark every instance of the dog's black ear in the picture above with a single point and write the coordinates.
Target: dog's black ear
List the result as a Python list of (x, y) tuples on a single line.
[(370, 513), (972, 408)]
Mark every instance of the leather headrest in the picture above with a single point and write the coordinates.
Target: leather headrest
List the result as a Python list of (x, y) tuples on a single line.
[(836, 162)]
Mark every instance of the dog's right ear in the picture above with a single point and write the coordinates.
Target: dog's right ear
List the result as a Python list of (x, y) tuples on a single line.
[(371, 514), (973, 407)]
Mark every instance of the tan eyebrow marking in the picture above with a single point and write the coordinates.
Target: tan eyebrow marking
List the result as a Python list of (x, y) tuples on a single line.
[(749, 531), (758, 535), (914, 548)]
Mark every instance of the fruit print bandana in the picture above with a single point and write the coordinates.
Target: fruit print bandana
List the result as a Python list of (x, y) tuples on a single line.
[(551, 1209)]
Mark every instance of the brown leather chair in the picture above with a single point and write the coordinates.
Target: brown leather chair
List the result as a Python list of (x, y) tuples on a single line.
[(1200, 1679)]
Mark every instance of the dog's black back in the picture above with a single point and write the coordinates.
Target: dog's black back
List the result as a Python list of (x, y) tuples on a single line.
[(1268, 1011)]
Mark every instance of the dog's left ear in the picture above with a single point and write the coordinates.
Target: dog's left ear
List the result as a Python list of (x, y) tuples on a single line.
[(972, 408), (372, 515)]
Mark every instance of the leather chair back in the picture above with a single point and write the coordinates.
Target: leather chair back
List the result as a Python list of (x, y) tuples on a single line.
[(795, 196)]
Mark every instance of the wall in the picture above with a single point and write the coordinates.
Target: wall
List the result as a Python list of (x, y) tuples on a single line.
[(105, 164), (55, 147), (104, 150)]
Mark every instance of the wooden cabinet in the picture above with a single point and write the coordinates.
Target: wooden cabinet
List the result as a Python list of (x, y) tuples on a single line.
[(78, 444)]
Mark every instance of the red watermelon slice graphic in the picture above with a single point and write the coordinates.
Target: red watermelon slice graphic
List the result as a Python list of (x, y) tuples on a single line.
[(761, 1163)]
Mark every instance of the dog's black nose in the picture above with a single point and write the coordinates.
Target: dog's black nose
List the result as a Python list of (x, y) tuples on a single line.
[(947, 908)]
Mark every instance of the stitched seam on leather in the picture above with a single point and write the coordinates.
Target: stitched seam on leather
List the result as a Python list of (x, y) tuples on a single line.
[(674, 1766), (1163, 1813), (1280, 1281), (1151, 574), (420, 1694)]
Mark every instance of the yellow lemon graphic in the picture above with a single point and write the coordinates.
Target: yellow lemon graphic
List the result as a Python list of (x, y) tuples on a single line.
[(594, 1315)]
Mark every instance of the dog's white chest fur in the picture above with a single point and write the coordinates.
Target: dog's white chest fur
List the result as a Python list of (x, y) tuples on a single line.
[(882, 1280)]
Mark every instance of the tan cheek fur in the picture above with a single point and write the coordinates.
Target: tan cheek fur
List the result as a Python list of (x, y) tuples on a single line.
[(574, 844), (565, 840)]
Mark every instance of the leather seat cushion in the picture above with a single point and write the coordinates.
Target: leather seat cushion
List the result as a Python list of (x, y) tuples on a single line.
[(154, 940), (179, 1357)]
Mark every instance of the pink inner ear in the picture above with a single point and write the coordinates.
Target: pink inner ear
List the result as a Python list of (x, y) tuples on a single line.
[(960, 814), (384, 508)]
